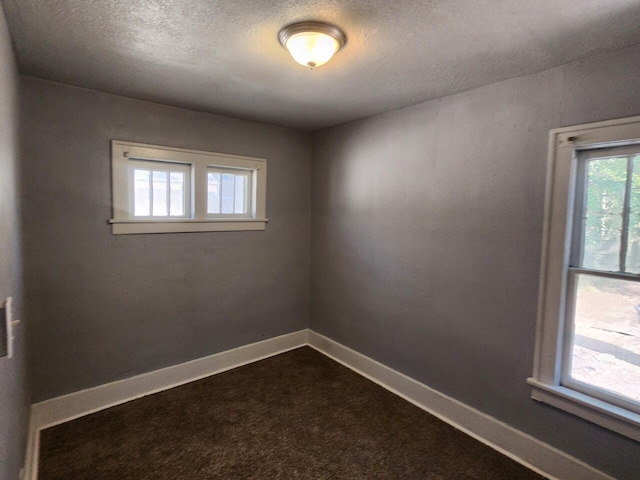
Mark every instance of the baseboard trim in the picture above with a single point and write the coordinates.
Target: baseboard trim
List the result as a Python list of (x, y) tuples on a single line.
[(74, 405), (524, 449)]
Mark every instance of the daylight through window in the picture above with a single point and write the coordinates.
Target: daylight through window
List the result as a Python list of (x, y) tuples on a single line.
[(603, 357), (160, 189), (587, 358), (228, 192), (166, 190)]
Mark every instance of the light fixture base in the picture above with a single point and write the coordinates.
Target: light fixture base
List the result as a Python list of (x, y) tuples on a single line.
[(320, 27)]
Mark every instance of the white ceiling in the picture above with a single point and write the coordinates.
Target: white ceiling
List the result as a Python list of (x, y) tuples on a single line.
[(224, 56)]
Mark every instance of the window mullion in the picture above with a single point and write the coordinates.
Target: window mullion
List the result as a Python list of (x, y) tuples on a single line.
[(603, 273), (220, 196), (233, 210), (168, 190), (151, 193), (186, 195), (246, 192), (199, 195), (624, 237)]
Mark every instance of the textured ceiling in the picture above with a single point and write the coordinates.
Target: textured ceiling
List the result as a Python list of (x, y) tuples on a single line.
[(223, 56)]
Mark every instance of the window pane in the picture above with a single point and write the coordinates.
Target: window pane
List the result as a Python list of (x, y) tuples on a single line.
[(159, 194), (606, 341), (633, 247), (213, 192), (241, 188), (227, 193), (606, 181), (141, 193), (176, 200)]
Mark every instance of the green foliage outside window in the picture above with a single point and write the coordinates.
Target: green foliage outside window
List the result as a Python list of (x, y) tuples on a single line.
[(606, 186)]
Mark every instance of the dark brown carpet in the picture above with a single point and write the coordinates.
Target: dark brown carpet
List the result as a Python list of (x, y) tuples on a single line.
[(296, 415)]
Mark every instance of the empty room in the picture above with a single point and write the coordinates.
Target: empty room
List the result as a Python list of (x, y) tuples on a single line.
[(319, 240)]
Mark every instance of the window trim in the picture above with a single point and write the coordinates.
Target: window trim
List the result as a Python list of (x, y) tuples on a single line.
[(199, 162), (564, 143)]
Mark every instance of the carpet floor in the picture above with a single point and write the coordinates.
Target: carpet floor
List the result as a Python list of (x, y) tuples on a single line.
[(295, 415)]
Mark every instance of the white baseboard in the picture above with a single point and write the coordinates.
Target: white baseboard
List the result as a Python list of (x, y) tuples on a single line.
[(68, 407), (525, 449)]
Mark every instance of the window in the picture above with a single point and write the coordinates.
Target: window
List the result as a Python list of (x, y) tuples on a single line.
[(588, 339), (164, 190), (159, 189), (228, 193)]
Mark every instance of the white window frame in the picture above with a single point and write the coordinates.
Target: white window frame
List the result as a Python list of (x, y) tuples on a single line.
[(196, 218), (564, 145)]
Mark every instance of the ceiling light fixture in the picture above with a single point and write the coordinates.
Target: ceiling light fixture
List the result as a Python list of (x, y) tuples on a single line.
[(312, 43)]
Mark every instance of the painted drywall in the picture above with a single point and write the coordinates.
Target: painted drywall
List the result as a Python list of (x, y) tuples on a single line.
[(14, 397), (426, 240), (106, 307)]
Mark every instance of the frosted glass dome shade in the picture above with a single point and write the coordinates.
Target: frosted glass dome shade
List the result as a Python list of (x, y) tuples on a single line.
[(312, 43), (312, 49)]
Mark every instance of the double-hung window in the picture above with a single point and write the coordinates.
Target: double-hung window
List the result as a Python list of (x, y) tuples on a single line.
[(588, 339), (163, 190)]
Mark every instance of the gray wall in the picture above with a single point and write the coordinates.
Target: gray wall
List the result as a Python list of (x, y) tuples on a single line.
[(105, 307), (426, 239), (425, 243), (14, 402)]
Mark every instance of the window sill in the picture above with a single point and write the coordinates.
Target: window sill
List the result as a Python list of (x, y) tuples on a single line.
[(185, 225), (601, 413)]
